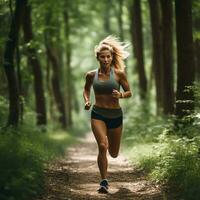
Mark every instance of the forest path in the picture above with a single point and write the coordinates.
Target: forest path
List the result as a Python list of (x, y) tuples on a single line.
[(76, 176)]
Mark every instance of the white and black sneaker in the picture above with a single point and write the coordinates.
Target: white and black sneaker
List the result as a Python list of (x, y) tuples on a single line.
[(103, 186)]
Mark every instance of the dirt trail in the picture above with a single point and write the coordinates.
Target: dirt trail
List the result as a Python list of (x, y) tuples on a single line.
[(76, 176)]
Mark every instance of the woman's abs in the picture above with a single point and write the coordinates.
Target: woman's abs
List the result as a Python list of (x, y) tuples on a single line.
[(106, 101)]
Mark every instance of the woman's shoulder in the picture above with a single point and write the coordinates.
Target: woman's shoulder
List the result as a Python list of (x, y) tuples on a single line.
[(90, 74), (119, 72)]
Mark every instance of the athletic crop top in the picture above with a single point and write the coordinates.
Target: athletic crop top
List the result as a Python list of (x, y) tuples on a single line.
[(107, 86)]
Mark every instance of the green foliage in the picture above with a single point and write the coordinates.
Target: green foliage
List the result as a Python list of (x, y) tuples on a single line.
[(20, 166), (169, 156), (173, 161), (141, 126), (196, 89), (23, 155), (178, 164), (82, 123), (3, 110)]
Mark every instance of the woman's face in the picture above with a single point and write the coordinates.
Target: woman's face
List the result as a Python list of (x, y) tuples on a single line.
[(105, 58)]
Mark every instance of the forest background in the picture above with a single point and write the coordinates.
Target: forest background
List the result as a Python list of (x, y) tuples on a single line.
[(46, 48)]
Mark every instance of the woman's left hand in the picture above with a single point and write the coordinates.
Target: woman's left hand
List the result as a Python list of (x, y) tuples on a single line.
[(116, 94)]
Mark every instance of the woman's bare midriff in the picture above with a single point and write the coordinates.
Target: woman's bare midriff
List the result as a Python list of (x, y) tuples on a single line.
[(106, 101)]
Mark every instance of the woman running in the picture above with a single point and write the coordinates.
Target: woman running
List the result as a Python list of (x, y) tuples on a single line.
[(106, 114)]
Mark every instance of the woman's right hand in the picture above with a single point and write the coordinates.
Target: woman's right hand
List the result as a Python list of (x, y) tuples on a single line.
[(87, 105)]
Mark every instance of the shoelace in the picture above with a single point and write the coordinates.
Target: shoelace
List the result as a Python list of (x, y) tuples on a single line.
[(104, 183)]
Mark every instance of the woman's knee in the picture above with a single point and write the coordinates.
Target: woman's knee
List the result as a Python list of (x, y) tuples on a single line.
[(103, 147), (113, 154)]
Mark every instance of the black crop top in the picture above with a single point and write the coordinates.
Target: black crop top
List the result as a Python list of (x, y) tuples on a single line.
[(107, 86)]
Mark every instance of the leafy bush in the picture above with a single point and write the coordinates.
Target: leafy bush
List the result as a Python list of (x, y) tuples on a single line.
[(141, 126), (23, 154), (3, 110), (173, 161), (178, 164), (169, 156)]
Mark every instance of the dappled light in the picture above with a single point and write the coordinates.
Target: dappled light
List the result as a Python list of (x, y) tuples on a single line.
[(59, 136), (99, 100), (81, 172)]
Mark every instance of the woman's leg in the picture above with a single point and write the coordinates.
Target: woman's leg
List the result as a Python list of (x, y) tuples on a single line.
[(114, 138), (99, 129)]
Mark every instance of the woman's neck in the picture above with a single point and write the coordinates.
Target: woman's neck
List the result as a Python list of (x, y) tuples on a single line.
[(104, 70)]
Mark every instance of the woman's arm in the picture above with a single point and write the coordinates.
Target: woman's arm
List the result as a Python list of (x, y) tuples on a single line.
[(125, 85), (86, 91)]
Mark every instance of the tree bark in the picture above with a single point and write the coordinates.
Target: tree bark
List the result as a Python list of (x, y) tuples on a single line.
[(106, 16), (3, 20), (157, 52), (137, 41), (197, 59), (185, 58), (167, 50), (196, 24), (56, 86), (19, 78), (36, 68), (69, 86), (9, 54), (120, 21)]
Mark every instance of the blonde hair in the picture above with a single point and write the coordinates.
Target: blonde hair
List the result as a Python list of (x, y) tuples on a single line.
[(117, 49)]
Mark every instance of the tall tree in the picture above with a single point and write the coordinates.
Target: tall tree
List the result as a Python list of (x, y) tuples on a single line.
[(137, 41), (106, 16), (120, 19), (196, 26), (19, 78), (197, 59), (3, 34), (36, 68), (69, 85), (157, 51), (56, 85), (9, 54), (185, 58), (167, 50), (53, 55)]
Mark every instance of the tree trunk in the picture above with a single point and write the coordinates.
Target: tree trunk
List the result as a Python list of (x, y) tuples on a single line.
[(167, 42), (196, 23), (56, 86), (19, 78), (9, 53), (120, 21), (157, 52), (185, 58), (137, 41), (69, 86), (107, 16), (3, 20), (197, 59), (36, 67)]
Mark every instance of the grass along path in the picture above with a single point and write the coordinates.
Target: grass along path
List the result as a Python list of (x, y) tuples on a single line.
[(76, 176)]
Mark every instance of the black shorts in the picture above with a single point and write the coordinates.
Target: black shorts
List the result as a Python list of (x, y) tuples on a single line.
[(110, 122)]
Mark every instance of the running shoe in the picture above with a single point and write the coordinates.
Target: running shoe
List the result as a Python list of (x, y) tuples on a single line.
[(103, 186)]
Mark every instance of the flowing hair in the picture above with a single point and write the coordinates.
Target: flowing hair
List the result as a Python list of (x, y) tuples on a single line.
[(117, 49)]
